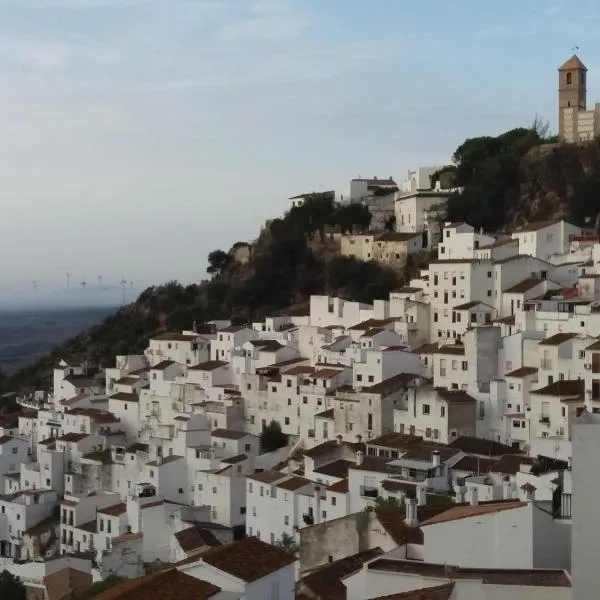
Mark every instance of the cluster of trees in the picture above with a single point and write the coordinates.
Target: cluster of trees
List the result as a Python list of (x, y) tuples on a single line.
[(520, 176)]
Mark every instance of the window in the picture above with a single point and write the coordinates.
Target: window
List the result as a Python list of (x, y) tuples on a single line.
[(247, 447), (15, 450), (436, 434), (426, 409), (324, 514), (428, 432), (465, 365), (242, 510), (435, 317), (289, 401), (569, 78), (289, 383), (286, 520), (371, 379), (442, 411), (304, 400), (248, 386), (108, 525), (359, 378), (287, 420), (333, 500), (101, 525)]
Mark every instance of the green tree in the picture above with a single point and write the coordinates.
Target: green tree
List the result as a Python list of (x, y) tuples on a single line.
[(11, 587), (272, 438), (217, 262), (288, 544)]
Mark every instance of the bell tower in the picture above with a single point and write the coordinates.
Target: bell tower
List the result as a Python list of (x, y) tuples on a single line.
[(571, 96)]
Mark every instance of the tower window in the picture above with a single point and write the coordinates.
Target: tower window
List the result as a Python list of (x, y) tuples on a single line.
[(569, 78), (569, 103)]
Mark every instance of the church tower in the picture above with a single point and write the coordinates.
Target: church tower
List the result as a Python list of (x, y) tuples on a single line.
[(571, 96)]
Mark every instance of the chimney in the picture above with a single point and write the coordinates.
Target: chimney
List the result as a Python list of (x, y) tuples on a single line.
[(473, 496), (506, 488), (421, 495), (460, 490), (317, 504), (339, 440), (358, 438), (435, 458), (529, 490), (359, 458), (410, 502)]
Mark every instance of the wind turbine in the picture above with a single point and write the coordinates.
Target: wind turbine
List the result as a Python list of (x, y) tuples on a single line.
[(34, 284), (100, 281), (68, 280), (83, 283), (124, 284)]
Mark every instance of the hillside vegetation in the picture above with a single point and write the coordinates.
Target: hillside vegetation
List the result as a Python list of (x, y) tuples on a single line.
[(523, 176), (508, 180), (286, 266)]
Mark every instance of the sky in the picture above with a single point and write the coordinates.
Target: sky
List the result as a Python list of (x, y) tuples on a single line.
[(139, 135)]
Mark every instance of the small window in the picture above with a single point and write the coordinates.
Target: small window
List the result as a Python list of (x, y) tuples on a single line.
[(426, 409), (569, 78)]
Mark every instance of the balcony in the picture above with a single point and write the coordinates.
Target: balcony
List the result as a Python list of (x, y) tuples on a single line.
[(544, 419)]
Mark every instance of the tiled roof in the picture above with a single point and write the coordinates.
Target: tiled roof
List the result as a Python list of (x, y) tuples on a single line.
[(162, 365), (395, 440), (327, 373), (340, 487), (249, 559), (407, 290), (390, 385), (521, 372), (427, 348), (537, 225), (102, 456), (521, 577), (326, 414), (82, 381), (482, 446), (138, 447), (330, 446), (170, 584), (523, 286), (510, 464), (506, 320), (392, 520), (228, 434), (425, 450), (394, 236), (573, 63), (232, 460), (337, 468), (267, 345), (66, 584), (233, 328), (195, 537), (439, 592), (165, 460), (464, 512), (72, 437), (468, 305), (115, 510), (128, 380), (474, 464), (454, 396), (125, 397), (293, 483), (565, 387), (209, 365), (267, 476), (456, 349), (370, 323), (557, 339), (326, 582)]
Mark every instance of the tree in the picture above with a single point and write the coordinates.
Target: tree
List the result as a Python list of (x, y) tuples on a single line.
[(272, 438), (11, 587), (288, 544), (217, 262)]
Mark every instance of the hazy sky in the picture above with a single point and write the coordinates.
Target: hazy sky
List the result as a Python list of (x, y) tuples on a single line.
[(137, 135)]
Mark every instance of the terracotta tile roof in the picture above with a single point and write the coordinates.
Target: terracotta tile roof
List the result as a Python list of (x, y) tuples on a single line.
[(327, 373), (170, 584), (520, 577), (267, 345), (474, 464), (228, 434), (125, 396), (165, 461), (67, 584), (528, 487), (510, 464), (523, 286), (138, 447), (102, 456), (326, 414), (293, 483), (468, 305), (162, 365), (326, 582), (439, 592), (407, 290), (128, 380), (464, 512), (392, 520), (72, 437), (454, 396), (557, 339), (194, 538), (209, 365), (82, 381), (573, 63), (482, 446), (453, 261), (522, 372), (249, 559), (96, 415), (424, 452), (370, 323), (233, 329), (337, 468), (390, 385), (506, 320), (232, 460), (300, 370), (330, 446), (427, 349), (394, 236), (396, 441), (115, 510), (565, 387), (267, 476), (456, 349), (340, 487)]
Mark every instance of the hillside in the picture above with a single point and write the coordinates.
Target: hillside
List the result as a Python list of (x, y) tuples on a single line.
[(288, 262), (509, 180), (523, 176)]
